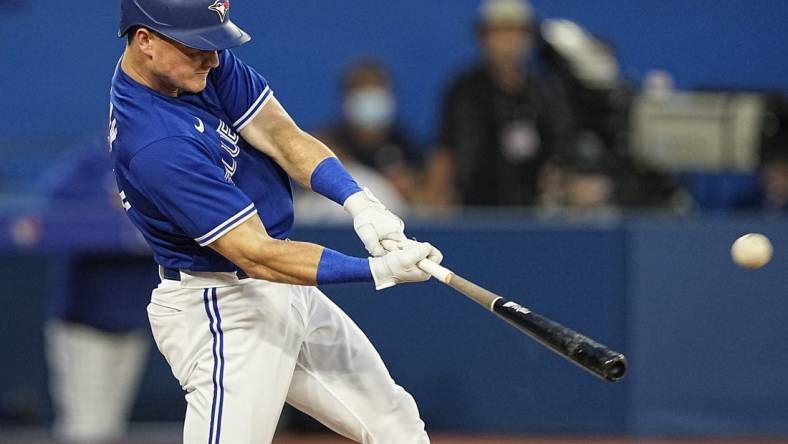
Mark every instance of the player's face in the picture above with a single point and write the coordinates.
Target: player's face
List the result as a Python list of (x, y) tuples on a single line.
[(180, 68)]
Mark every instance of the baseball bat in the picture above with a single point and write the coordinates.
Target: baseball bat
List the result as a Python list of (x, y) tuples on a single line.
[(579, 349)]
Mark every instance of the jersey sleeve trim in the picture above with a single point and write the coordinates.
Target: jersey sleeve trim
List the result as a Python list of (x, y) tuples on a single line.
[(258, 104), (226, 226)]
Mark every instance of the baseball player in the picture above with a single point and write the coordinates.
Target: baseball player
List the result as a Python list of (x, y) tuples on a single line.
[(96, 346), (203, 156)]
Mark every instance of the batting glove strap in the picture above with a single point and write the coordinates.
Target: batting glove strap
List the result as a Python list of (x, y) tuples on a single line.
[(401, 265), (361, 201), (381, 273)]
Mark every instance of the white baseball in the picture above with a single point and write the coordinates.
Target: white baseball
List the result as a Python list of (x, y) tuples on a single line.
[(753, 250)]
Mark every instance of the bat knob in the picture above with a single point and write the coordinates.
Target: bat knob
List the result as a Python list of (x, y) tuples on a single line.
[(615, 368)]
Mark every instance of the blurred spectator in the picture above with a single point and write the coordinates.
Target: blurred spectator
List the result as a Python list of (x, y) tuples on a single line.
[(579, 184), (774, 153), (368, 131), (595, 172), (774, 180), (502, 120), (96, 334)]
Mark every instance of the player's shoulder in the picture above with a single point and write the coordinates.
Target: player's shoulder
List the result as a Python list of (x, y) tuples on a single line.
[(142, 125), (229, 65), (156, 120)]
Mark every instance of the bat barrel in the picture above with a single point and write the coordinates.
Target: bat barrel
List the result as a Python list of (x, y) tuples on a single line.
[(581, 350)]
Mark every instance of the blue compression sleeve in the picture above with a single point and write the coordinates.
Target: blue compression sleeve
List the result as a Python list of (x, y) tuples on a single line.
[(332, 180), (337, 268)]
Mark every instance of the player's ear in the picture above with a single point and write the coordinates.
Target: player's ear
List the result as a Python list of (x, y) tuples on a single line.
[(143, 39)]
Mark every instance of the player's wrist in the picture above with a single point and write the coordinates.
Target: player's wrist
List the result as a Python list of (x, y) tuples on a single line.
[(382, 275), (357, 202), (337, 268), (332, 180)]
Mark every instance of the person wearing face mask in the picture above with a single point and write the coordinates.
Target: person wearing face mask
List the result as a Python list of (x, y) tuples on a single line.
[(368, 132), (502, 121)]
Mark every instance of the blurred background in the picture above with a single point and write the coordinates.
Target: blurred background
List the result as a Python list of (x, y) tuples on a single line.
[(593, 161)]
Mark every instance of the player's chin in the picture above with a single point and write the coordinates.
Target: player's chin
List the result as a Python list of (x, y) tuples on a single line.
[(196, 85)]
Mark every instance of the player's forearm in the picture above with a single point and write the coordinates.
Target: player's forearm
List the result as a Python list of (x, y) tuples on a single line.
[(274, 132), (301, 154), (313, 165), (282, 261), (262, 257), (294, 263), (304, 263), (249, 247)]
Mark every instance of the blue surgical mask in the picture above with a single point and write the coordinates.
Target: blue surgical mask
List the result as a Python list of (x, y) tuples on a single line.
[(370, 108)]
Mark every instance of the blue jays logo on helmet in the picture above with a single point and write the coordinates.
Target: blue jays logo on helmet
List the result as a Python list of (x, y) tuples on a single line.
[(221, 7), (190, 22)]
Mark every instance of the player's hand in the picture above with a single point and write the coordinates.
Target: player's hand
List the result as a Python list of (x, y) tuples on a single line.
[(400, 265), (377, 227)]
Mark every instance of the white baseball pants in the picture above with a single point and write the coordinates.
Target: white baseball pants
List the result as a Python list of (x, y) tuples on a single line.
[(241, 348), (93, 378)]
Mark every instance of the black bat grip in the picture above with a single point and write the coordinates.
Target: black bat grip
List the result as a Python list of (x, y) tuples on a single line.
[(583, 351)]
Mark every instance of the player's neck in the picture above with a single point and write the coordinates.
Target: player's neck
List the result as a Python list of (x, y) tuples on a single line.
[(134, 68)]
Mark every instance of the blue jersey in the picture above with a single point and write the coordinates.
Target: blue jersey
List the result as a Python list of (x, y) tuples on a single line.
[(185, 175)]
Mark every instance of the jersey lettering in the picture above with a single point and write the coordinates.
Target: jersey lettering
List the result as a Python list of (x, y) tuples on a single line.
[(229, 141), (124, 201), (113, 127), (227, 133)]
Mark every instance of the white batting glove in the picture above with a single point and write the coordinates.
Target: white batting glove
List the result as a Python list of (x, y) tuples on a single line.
[(377, 227), (400, 265)]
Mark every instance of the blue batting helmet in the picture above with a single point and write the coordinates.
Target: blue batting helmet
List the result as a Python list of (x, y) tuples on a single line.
[(199, 24)]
